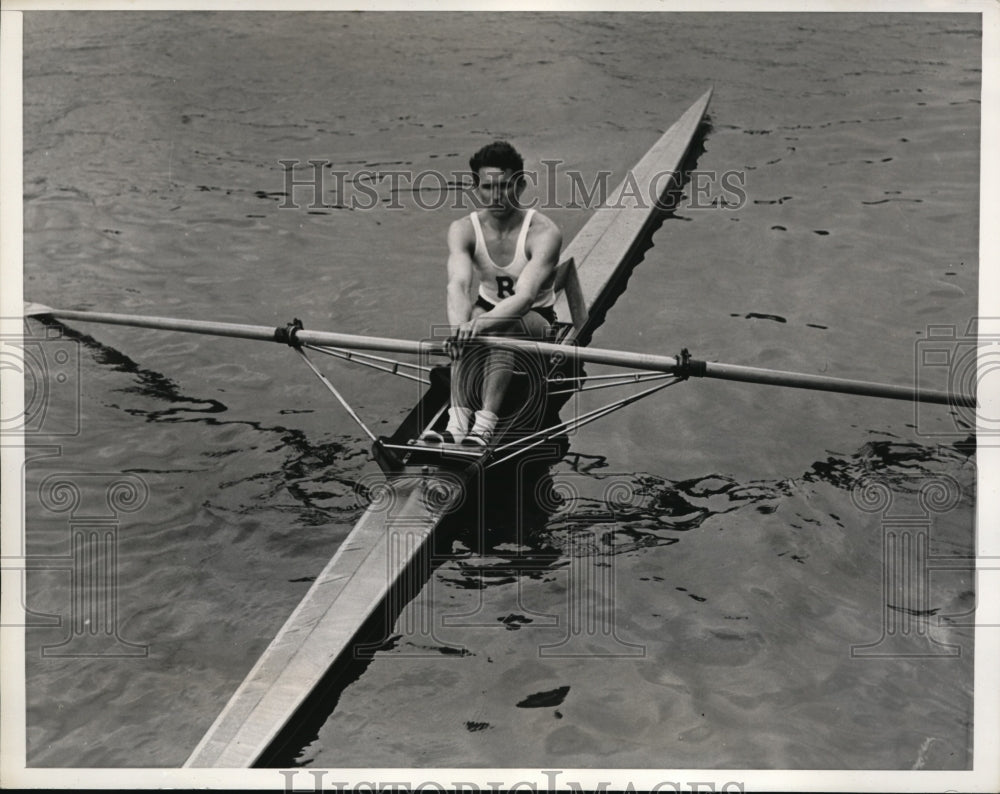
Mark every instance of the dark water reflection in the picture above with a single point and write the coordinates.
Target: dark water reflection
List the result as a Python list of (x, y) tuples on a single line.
[(735, 577)]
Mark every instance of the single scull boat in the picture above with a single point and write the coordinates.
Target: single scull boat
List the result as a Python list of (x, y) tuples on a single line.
[(424, 482)]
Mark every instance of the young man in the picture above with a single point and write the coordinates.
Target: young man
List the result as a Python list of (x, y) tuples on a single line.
[(511, 253)]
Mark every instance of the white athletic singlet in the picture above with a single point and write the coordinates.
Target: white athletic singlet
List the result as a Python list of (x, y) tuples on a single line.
[(496, 282)]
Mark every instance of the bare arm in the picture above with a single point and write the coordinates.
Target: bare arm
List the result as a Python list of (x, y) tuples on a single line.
[(460, 271)]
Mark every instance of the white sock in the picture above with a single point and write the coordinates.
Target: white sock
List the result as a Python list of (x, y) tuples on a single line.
[(458, 422), (486, 422)]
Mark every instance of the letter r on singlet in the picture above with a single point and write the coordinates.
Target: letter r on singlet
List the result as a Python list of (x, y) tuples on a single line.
[(505, 287)]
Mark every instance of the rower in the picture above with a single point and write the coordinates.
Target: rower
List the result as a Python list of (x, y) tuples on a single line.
[(511, 252)]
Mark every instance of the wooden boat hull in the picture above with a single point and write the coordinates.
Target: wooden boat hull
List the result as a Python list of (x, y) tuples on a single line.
[(353, 583), (419, 493)]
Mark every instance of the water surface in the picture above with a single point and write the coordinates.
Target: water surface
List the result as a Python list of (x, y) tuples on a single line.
[(718, 527)]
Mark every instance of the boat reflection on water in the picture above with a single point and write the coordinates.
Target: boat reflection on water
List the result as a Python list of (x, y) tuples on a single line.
[(505, 510)]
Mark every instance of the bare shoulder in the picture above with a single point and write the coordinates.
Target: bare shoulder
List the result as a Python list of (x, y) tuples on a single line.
[(460, 232), (544, 231), (460, 225), (542, 222)]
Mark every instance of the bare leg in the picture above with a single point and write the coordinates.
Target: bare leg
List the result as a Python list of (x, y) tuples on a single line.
[(463, 373), (461, 400), (500, 363), (496, 379)]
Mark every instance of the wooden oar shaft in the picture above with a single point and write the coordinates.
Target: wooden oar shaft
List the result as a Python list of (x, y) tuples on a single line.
[(643, 361), (799, 380), (237, 330), (349, 341)]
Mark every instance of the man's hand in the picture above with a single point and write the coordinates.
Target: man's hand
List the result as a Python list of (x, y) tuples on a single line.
[(462, 334)]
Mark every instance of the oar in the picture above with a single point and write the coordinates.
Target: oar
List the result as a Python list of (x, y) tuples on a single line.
[(677, 365)]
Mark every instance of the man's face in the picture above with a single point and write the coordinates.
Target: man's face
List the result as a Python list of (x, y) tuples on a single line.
[(498, 189)]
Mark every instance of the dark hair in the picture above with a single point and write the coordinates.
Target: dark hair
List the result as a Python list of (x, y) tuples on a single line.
[(498, 154)]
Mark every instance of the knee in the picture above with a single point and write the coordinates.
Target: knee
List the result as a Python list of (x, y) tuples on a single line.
[(529, 326), (535, 326), (515, 326)]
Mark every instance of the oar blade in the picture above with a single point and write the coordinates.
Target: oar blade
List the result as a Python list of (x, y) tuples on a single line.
[(37, 309)]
